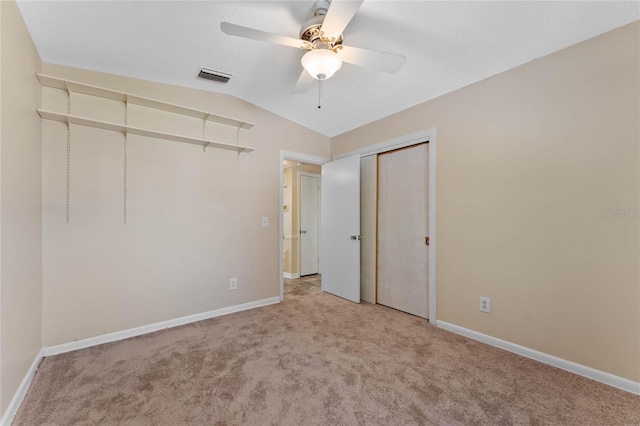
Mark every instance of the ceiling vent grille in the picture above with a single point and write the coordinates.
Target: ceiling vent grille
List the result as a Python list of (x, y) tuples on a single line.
[(214, 75)]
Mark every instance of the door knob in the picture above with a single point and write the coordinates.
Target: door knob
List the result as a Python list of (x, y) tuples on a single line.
[(355, 237), (303, 232)]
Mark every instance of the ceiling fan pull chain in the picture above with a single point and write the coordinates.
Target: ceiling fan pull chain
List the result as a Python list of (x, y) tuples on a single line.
[(319, 93)]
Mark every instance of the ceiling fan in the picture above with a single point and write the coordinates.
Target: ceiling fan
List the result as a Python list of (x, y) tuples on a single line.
[(321, 37)]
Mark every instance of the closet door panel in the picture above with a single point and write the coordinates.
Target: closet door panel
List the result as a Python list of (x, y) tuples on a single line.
[(403, 223)]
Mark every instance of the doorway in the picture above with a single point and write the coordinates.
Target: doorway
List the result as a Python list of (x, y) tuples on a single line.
[(302, 287), (297, 170)]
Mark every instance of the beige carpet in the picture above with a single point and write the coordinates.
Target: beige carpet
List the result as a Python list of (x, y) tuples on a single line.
[(313, 360)]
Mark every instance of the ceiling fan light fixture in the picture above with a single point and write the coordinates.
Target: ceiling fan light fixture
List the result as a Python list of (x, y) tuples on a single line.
[(321, 64)]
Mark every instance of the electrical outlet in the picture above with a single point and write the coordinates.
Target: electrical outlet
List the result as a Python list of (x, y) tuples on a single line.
[(265, 221), (485, 305), (233, 283)]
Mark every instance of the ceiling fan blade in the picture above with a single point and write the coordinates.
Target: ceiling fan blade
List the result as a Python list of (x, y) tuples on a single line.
[(381, 61), (305, 81), (240, 31), (338, 16)]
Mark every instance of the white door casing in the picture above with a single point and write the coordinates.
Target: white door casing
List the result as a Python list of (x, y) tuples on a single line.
[(341, 228)]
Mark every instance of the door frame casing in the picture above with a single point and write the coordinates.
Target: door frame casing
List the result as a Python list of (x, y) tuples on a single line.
[(428, 135), (319, 177), (295, 156)]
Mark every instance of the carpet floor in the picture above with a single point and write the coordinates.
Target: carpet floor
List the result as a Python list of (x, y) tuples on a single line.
[(313, 360)]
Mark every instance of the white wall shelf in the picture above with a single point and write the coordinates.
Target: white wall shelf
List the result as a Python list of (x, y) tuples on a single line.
[(128, 99), (88, 89), (73, 119)]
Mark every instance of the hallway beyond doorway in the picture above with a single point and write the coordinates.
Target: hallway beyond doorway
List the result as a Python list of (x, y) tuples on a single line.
[(301, 287)]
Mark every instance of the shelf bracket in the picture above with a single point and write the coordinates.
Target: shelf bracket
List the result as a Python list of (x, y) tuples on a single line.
[(204, 127), (68, 183), (238, 142), (204, 124)]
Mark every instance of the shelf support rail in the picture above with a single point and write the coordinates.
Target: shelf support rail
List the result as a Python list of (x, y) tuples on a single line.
[(238, 142), (204, 127), (125, 165), (68, 183)]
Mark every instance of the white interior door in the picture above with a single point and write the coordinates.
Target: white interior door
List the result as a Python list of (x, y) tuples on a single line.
[(309, 224), (341, 227), (403, 224)]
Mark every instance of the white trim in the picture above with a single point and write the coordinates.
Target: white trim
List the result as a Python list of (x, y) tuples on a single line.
[(290, 237), (288, 155), (581, 370), (290, 276), (18, 397), (132, 332), (402, 142), (390, 145)]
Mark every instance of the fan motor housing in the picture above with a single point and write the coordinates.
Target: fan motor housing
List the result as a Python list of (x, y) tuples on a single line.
[(311, 28), (311, 33)]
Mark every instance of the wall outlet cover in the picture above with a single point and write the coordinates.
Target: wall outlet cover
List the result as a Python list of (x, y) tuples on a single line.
[(485, 305)]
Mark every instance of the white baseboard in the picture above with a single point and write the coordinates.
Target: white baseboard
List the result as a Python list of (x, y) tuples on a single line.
[(132, 332), (290, 276), (12, 409), (581, 370)]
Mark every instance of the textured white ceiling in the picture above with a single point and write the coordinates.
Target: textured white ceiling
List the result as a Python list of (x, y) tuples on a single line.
[(448, 45)]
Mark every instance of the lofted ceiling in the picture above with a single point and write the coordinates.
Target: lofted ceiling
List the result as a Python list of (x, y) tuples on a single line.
[(448, 45)]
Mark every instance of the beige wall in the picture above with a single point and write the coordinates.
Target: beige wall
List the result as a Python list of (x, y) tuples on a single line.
[(288, 222), (528, 163), (194, 217), (20, 204)]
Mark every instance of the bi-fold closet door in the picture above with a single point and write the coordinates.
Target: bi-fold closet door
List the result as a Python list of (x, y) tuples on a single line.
[(395, 227)]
